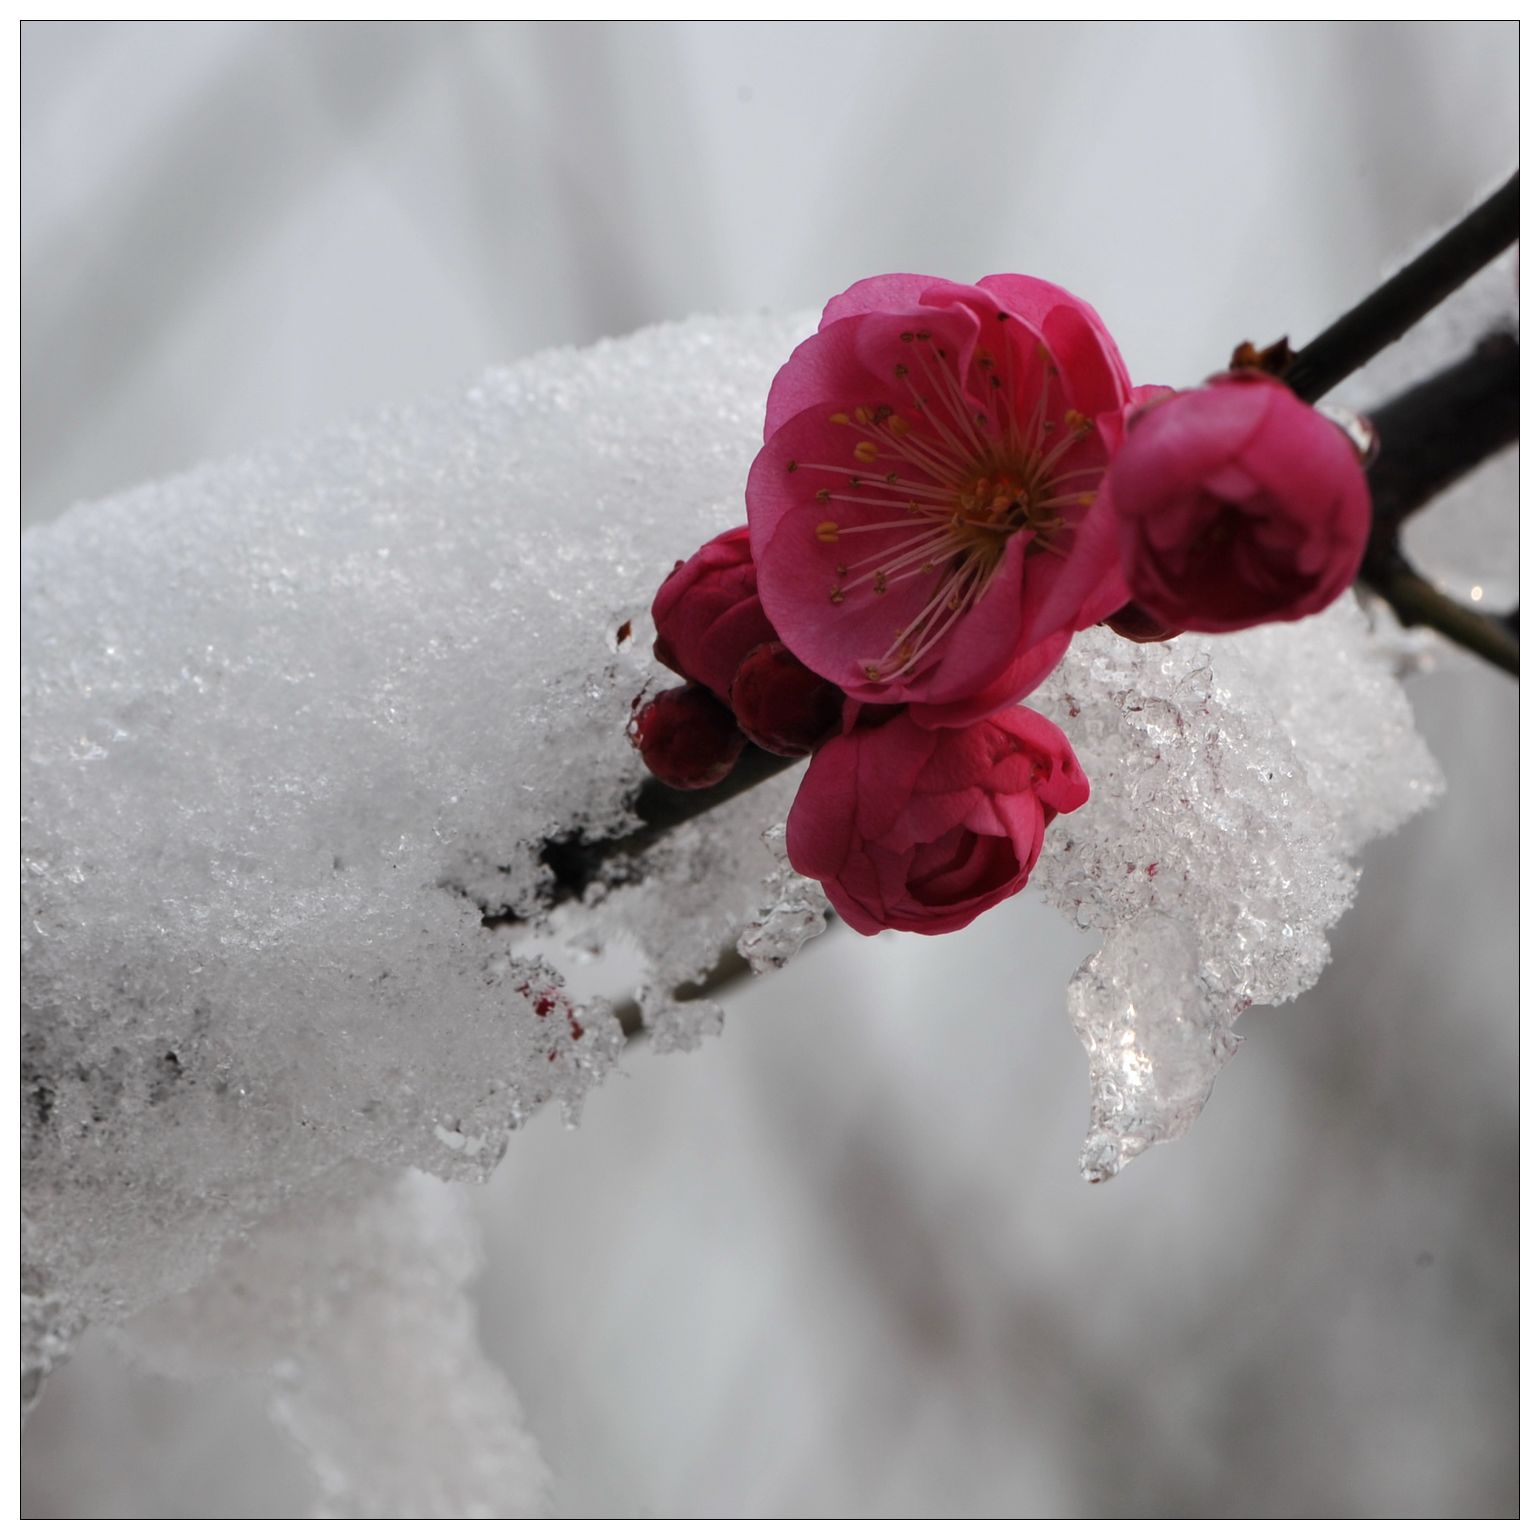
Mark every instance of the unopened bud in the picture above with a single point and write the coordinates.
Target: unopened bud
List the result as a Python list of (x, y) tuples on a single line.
[(781, 704), (686, 737)]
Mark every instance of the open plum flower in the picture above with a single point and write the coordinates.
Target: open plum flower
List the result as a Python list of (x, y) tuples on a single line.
[(924, 515), (920, 829)]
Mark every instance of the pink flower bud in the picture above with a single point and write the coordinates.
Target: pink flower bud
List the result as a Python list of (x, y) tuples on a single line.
[(781, 704), (1237, 504), (708, 613), (920, 829), (686, 737)]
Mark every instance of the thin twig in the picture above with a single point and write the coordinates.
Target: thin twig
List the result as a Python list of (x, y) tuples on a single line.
[(1431, 436), (1418, 603), (575, 861), (1400, 302)]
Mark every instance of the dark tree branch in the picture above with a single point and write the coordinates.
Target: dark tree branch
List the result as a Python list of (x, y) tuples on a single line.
[(1400, 302), (1430, 436), (1442, 429), (575, 861), (1418, 603)]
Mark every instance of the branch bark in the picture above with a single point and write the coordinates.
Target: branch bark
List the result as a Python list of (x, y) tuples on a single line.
[(1400, 302), (1431, 436)]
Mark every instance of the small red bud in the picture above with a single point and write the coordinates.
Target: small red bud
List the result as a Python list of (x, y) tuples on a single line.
[(686, 737), (708, 614), (781, 704)]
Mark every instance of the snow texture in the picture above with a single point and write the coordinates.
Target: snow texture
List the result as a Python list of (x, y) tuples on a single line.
[(1232, 779), (352, 1303), (296, 729)]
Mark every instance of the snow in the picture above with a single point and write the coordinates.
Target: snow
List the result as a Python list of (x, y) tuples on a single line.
[(294, 724), (297, 727)]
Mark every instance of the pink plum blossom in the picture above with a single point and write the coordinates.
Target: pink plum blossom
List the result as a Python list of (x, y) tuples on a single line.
[(924, 514), (920, 829), (1237, 504)]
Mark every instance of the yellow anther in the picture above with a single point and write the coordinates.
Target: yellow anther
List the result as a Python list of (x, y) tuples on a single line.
[(872, 672), (896, 424), (863, 414), (867, 451), (836, 595), (828, 532), (842, 418)]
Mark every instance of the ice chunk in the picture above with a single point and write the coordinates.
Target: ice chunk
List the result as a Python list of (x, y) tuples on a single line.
[(795, 911), (1155, 1035), (1233, 779)]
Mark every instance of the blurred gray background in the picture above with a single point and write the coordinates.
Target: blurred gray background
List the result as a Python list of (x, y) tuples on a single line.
[(840, 1261)]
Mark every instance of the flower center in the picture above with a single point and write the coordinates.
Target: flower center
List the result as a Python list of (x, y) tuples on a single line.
[(945, 491)]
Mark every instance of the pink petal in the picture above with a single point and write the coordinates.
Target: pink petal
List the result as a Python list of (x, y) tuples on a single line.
[(1033, 298), (819, 830), (850, 361), (889, 760), (1024, 825), (1018, 679), (854, 894), (887, 291)]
